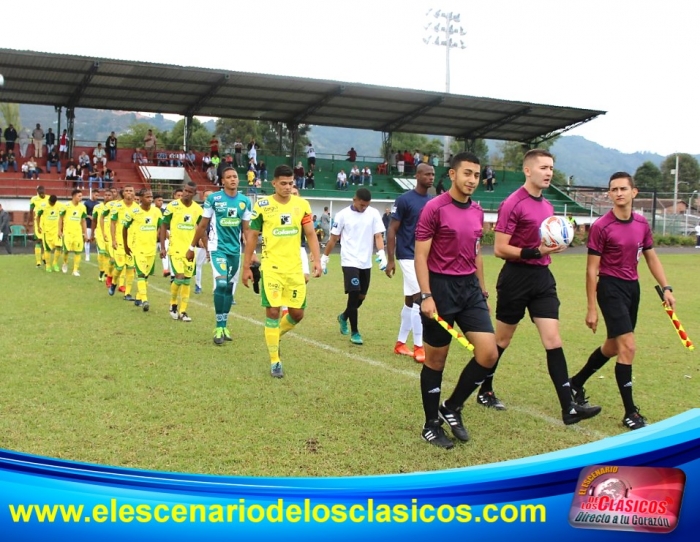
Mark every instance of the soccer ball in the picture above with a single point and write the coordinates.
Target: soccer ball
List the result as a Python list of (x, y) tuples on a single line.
[(556, 231)]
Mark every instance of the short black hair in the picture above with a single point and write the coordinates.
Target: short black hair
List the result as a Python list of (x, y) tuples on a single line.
[(363, 194), (283, 170), (457, 159), (75, 191), (53, 199)]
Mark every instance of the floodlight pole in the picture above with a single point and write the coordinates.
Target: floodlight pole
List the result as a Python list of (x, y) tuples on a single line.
[(447, 43), (675, 188)]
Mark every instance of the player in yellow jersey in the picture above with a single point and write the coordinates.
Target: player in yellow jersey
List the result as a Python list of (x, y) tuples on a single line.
[(98, 235), (182, 217), (73, 228), (123, 264), (36, 203), (281, 218), (47, 226), (141, 226), (105, 226)]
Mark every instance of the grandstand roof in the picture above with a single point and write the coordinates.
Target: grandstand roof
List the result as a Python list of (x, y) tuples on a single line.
[(100, 83)]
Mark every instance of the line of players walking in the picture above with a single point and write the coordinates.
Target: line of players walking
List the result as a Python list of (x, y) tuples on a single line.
[(436, 242)]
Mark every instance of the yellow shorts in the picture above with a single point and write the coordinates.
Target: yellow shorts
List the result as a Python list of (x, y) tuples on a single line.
[(121, 259), (101, 245), (51, 240), (73, 243), (181, 265), (288, 289), (144, 263)]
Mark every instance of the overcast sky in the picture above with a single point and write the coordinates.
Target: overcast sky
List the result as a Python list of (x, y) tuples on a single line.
[(635, 59)]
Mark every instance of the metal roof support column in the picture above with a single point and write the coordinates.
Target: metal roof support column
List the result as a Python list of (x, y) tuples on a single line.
[(387, 138), (294, 131), (70, 119), (58, 110), (188, 132)]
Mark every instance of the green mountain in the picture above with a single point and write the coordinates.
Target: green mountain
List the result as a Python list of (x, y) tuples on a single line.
[(591, 164)]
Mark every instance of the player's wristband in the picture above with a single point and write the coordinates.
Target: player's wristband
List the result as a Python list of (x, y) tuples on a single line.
[(192, 248), (530, 254)]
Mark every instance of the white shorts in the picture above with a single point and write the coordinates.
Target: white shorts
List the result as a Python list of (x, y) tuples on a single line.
[(304, 261), (410, 282), (63, 148), (400, 166)]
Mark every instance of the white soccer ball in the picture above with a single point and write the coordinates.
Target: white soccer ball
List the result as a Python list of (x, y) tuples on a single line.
[(556, 231)]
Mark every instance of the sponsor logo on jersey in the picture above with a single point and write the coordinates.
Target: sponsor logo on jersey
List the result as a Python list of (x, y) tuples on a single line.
[(148, 227), (242, 205), (232, 213), (230, 222), (185, 227), (263, 203), (285, 231)]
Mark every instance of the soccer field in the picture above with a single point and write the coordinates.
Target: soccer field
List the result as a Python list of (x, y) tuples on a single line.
[(91, 378)]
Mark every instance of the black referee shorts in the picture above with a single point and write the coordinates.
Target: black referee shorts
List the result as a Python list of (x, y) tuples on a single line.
[(618, 300), (356, 280), (457, 299), (521, 286)]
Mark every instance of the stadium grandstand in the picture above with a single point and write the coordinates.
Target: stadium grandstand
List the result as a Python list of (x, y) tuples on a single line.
[(69, 83)]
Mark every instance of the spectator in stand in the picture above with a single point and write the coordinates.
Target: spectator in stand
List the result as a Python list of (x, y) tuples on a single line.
[(108, 178), (216, 162), (211, 174), (32, 169), (72, 174), (53, 160), (150, 143), (425, 159), (366, 176), (11, 161), (238, 152), (24, 138), (341, 182), (400, 164), (355, 175), (10, 137), (137, 157), (310, 157), (206, 161), (392, 162), (3, 161), (50, 140), (299, 175), (417, 159), (352, 154), (38, 137), (111, 146), (191, 158), (434, 160), (383, 168), (250, 175), (408, 161), (162, 159), (262, 171), (228, 159), (99, 155), (96, 179), (63, 144), (310, 181), (253, 151), (214, 146), (84, 162)]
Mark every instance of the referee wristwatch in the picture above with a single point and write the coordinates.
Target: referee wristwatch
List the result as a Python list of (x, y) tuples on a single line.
[(667, 289), (423, 297)]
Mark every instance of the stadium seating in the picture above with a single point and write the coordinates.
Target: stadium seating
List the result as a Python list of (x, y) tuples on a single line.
[(18, 231)]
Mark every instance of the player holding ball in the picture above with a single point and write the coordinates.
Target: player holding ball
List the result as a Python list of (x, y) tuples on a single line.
[(525, 282)]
